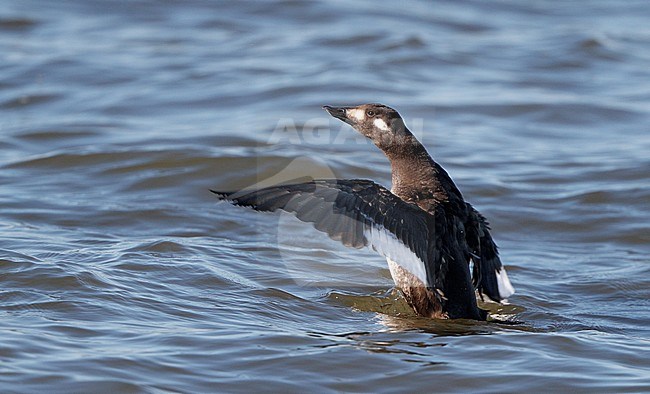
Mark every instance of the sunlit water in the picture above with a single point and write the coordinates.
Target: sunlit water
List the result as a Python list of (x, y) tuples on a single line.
[(120, 272)]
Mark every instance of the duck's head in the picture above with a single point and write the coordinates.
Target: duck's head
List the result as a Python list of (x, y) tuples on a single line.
[(378, 122)]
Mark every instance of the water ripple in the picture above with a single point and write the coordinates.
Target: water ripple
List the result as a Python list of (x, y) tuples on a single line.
[(121, 272)]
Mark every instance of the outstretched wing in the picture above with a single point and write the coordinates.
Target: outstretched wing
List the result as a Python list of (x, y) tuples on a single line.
[(489, 275), (360, 213)]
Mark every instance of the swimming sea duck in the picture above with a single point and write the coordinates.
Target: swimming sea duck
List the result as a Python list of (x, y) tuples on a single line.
[(422, 225)]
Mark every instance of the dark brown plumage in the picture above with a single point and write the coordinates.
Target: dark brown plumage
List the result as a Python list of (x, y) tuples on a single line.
[(423, 226)]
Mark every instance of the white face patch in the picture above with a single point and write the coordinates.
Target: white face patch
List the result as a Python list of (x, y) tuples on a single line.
[(380, 124), (357, 114)]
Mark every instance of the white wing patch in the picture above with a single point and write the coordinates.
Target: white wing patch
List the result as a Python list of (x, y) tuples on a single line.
[(357, 114), (380, 124), (387, 244), (505, 287)]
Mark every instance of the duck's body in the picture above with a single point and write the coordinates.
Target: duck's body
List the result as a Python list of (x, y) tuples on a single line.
[(423, 226)]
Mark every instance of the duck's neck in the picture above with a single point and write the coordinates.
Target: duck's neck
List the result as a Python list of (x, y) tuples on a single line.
[(415, 175)]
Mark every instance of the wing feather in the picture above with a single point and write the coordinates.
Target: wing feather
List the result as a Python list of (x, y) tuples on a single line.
[(360, 213)]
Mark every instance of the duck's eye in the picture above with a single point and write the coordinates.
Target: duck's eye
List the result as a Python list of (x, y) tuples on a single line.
[(370, 113)]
